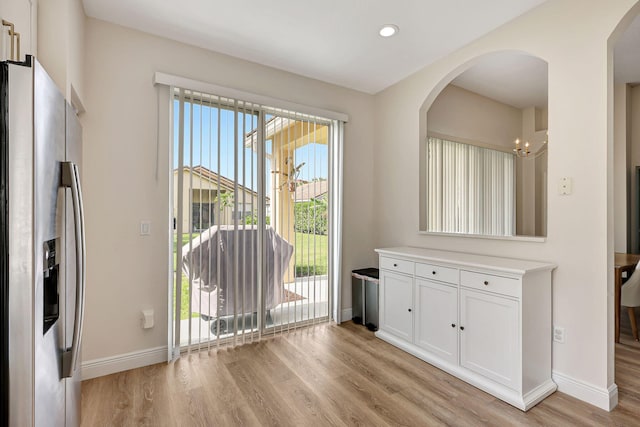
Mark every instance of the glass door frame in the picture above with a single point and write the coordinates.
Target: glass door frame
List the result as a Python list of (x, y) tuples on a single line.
[(335, 130)]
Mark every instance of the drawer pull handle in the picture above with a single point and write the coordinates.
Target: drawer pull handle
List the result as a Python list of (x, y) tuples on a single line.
[(462, 328), (395, 265), (453, 325), (433, 272), (486, 282), (409, 310)]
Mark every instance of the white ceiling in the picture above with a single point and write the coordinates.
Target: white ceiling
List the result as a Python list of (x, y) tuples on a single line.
[(335, 41), (512, 78), (521, 80), (626, 55)]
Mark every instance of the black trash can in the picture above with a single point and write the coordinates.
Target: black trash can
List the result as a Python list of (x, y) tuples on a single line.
[(364, 297)]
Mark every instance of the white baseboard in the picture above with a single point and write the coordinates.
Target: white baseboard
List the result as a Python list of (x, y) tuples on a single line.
[(606, 399), (346, 314), (122, 362)]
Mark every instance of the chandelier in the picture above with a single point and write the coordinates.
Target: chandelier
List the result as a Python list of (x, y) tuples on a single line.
[(524, 151), (521, 152)]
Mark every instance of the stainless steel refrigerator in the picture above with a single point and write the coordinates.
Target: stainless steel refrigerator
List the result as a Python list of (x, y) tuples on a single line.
[(41, 250)]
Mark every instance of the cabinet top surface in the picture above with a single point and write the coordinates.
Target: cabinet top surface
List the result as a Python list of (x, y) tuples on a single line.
[(509, 265)]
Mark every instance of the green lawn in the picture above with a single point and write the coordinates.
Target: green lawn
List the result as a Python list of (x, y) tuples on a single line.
[(310, 255), (184, 294)]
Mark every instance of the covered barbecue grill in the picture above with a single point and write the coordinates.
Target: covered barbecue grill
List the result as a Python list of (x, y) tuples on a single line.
[(223, 264)]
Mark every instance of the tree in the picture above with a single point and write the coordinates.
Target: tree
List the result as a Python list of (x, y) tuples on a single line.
[(225, 199), (311, 217)]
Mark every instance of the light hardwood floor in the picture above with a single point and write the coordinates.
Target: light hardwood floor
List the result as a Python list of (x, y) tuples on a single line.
[(330, 375)]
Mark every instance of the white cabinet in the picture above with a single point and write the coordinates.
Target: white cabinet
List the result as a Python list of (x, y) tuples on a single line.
[(436, 312), (486, 320), (489, 338), (396, 306)]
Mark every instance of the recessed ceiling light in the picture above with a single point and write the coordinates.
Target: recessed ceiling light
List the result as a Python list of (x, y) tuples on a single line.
[(389, 30)]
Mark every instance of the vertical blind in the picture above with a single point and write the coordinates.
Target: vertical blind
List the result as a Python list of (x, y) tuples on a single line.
[(470, 189), (251, 196)]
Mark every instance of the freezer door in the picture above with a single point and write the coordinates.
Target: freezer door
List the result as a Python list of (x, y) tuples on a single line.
[(19, 173), (50, 271), (74, 154)]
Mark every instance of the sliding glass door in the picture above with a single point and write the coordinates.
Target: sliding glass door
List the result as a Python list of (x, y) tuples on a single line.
[(250, 207), (297, 153)]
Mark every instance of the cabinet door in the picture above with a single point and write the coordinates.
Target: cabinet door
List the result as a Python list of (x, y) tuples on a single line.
[(396, 304), (437, 319), (489, 336)]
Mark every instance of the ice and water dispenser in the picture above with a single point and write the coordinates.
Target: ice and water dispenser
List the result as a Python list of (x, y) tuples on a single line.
[(51, 297)]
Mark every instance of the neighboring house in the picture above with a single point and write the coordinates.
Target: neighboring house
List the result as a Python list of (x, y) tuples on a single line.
[(202, 209)]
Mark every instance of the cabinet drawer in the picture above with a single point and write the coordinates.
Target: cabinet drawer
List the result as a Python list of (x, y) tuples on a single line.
[(437, 272), (490, 282), (397, 265)]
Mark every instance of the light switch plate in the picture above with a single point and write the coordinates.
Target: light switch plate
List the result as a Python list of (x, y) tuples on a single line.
[(145, 228), (565, 186), (147, 319)]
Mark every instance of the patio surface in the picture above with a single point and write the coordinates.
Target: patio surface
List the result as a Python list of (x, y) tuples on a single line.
[(314, 304)]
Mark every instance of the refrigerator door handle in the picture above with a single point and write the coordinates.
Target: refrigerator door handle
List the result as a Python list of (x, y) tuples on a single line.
[(71, 179)]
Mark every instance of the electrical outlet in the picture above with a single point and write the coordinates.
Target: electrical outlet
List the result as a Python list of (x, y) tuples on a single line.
[(558, 334), (565, 186)]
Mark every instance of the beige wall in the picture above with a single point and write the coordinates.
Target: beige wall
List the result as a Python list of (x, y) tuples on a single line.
[(580, 226), (23, 14), (532, 172), (127, 272), (53, 31), (634, 161), (468, 116), (61, 45), (622, 165)]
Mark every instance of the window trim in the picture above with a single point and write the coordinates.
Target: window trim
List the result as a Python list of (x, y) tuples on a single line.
[(266, 102)]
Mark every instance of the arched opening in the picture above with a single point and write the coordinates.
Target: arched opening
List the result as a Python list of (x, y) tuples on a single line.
[(624, 136), (483, 160)]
